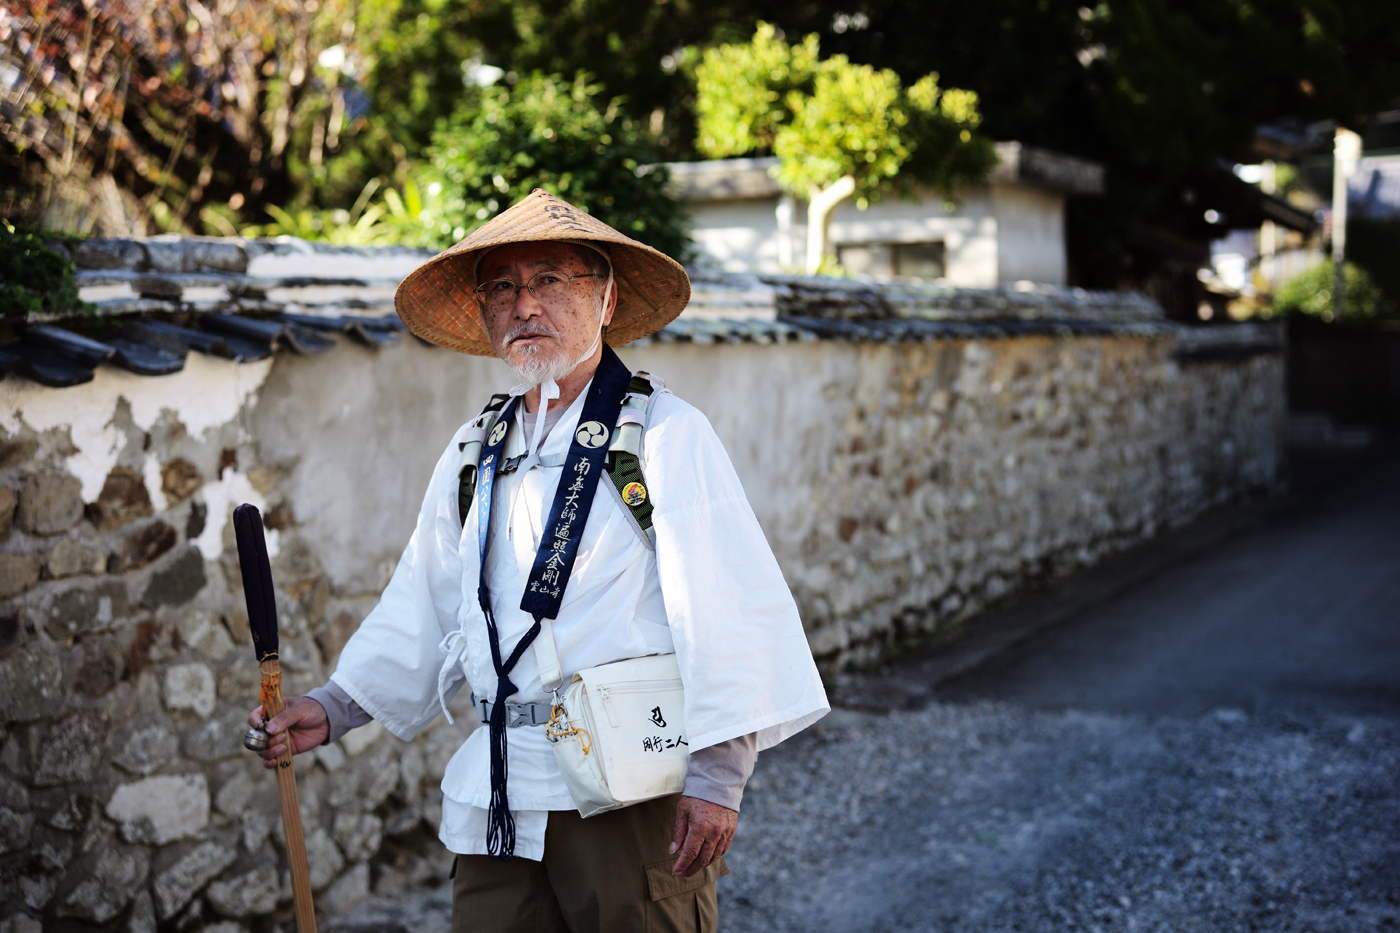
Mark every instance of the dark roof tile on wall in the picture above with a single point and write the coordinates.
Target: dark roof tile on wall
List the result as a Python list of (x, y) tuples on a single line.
[(156, 299)]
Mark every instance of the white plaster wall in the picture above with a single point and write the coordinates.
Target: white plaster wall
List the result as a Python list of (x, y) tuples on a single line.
[(1031, 245), (359, 431), (902, 487), (771, 410), (739, 236), (206, 400), (969, 232)]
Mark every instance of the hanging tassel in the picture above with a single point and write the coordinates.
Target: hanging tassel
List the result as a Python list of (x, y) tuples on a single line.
[(500, 822)]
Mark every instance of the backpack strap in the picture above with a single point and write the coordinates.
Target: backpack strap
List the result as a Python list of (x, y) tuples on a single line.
[(470, 447), (623, 465)]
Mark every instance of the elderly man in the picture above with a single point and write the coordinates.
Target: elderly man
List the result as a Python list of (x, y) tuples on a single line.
[(499, 586)]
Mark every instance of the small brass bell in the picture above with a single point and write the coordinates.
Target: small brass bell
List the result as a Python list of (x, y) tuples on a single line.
[(255, 739)]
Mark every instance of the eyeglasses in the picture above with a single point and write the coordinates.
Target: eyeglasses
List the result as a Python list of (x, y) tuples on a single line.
[(548, 287)]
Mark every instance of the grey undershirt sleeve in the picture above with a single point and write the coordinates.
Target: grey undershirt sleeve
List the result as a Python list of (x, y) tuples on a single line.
[(342, 711), (718, 773)]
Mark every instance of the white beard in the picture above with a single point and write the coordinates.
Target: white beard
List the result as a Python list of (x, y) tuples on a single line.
[(533, 369)]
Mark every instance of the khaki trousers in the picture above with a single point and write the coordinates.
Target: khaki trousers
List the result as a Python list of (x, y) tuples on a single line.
[(610, 873)]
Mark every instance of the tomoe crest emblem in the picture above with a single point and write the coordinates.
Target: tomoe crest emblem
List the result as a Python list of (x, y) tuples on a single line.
[(592, 434)]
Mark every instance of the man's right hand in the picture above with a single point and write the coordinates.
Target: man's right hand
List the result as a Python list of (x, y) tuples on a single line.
[(304, 721)]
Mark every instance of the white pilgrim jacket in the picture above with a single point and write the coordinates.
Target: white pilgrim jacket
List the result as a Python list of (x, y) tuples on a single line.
[(710, 590)]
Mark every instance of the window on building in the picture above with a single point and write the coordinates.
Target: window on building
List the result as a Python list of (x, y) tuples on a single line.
[(864, 258), (919, 260), (914, 260)]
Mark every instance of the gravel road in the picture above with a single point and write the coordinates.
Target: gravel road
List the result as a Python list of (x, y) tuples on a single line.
[(987, 817)]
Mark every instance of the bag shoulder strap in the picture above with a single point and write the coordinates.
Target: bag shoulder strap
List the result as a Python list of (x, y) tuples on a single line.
[(547, 657), (470, 448)]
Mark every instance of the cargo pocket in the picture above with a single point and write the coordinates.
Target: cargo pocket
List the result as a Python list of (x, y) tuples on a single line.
[(683, 905)]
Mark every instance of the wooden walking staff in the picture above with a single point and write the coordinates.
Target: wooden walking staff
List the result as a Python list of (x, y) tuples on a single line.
[(262, 618)]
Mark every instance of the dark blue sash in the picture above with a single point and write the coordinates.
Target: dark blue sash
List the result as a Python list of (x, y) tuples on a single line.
[(554, 561)]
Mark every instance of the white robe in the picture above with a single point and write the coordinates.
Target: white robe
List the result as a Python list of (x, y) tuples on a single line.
[(711, 591)]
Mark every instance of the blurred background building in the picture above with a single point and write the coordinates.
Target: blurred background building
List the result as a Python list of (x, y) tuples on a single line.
[(1007, 230)]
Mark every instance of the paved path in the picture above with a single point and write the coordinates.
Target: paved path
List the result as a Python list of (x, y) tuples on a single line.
[(1207, 742), (1301, 613)]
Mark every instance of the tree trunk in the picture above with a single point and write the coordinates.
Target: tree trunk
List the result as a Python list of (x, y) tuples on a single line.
[(820, 205)]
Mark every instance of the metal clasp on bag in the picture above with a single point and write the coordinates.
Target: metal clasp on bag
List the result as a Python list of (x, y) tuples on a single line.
[(559, 729)]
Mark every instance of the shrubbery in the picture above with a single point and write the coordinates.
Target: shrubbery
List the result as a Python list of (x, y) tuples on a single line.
[(33, 275), (544, 131), (561, 135), (1311, 293)]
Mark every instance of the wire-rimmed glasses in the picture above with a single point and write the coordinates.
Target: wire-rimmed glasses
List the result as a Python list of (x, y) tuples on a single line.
[(548, 287)]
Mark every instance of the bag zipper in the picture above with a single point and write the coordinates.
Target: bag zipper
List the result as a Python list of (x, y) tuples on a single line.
[(635, 686)]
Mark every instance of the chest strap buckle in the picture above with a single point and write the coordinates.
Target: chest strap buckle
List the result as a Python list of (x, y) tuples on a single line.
[(517, 714)]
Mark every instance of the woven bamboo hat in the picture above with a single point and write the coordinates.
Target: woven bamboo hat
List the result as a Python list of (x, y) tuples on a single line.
[(438, 302)]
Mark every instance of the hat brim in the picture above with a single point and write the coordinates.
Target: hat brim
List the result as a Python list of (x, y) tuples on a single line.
[(437, 301)]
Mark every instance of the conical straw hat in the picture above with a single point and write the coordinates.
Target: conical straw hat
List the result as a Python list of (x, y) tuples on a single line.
[(438, 303)]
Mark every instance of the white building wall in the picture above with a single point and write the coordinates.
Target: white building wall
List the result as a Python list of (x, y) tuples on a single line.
[(968, 232), (738, 236), (993, 235), (1031, 241)]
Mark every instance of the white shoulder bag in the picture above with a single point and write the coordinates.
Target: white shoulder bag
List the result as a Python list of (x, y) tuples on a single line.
[(618, 730)]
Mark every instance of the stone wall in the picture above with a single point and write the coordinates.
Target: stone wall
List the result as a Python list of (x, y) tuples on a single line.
[(906, 478), (906, 486), (126, 671)]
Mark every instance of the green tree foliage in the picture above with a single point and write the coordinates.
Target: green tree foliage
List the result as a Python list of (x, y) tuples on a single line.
[(560, 135), (639, 50), (150, 115), (851, 125), (745, 89), (838, 128), (403, 72), (134, 116), (1158, 90), (1312, 293)]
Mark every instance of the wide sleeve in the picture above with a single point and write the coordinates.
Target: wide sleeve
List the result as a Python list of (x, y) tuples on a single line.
[(390, 665), (743, 655)]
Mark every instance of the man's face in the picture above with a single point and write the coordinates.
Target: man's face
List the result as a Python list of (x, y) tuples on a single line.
[(532, 334)]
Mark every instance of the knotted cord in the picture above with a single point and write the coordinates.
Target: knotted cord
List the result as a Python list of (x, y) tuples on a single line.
[(500, 822), (544, 591)]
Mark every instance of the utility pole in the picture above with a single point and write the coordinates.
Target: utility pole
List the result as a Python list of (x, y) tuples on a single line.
[(1268, 233), (1346, 150)]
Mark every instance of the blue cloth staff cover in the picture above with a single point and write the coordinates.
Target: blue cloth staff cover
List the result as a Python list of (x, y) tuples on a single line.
[(554, 561)]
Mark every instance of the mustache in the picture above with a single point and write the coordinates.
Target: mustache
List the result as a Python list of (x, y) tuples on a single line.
[(525, 329)]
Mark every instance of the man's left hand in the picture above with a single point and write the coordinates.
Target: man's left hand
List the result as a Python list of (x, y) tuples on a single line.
[(702, 834)]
